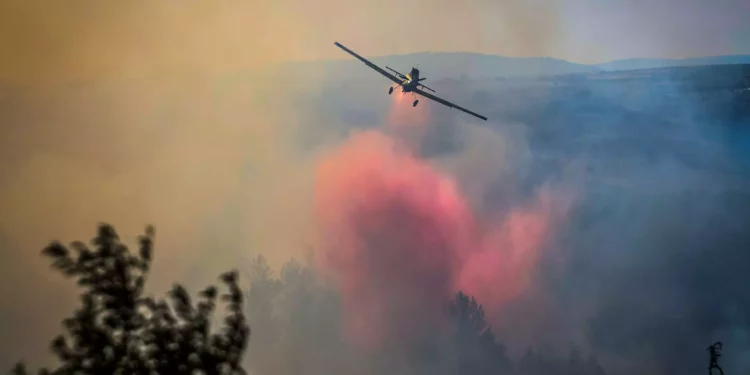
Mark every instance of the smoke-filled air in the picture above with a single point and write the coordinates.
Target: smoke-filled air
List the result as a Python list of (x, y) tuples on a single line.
[(400, 238), (217, 187)]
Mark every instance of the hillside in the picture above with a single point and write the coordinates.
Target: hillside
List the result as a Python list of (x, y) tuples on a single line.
[(436, 66), (444, 65), (631, 64)]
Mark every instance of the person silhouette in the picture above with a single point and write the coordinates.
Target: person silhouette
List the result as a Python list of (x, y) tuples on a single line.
[(714, 353)]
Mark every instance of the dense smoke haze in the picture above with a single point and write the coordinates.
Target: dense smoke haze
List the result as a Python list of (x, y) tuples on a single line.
[(605, 221), (396, 227), (601, 212)]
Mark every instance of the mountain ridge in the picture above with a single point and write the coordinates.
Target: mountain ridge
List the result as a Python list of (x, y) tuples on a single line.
[(440, 65)]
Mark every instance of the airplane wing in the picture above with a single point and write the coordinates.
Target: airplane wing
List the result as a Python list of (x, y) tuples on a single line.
[(447, 103), (368, 63)]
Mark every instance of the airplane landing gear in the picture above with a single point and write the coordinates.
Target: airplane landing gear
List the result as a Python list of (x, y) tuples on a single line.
[(415, 103), (390, 91)]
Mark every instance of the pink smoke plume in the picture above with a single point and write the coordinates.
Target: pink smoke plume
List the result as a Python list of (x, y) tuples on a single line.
[(401, 240)]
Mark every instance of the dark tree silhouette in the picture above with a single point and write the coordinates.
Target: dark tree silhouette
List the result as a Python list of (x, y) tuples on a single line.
[(478, 350), (118, 330), (297, 321), (262, 296)]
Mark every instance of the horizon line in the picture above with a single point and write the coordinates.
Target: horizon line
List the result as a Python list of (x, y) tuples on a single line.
[(344, 58)]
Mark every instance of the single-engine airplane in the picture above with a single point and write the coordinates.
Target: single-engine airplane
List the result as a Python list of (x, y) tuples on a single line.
[(408, 82)]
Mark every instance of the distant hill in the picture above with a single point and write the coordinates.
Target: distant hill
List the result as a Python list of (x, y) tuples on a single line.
[(632, 64), (441, 65), (437, 66)]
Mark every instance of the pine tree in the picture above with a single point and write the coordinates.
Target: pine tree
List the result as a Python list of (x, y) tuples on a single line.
[(118, 330)]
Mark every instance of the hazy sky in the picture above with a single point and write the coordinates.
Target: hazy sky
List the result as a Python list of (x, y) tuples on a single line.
[(42, 40)]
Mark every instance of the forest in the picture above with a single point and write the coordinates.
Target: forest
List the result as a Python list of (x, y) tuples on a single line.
[(277, 325)]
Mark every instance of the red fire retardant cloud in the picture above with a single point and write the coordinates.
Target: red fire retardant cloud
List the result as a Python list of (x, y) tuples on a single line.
[(395, 231), (400, 240)]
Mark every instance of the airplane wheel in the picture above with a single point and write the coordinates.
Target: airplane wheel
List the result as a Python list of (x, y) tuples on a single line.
[(390, 91), (415, 103)]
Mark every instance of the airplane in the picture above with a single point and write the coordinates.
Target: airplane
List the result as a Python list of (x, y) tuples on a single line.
[(408, 82)]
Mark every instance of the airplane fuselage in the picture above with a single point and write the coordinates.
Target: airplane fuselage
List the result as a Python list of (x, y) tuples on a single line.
[(408, 86), (411, 82)]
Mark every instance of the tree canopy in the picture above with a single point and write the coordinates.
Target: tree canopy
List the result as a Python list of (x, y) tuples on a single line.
[(119, 330), (296, 316)]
